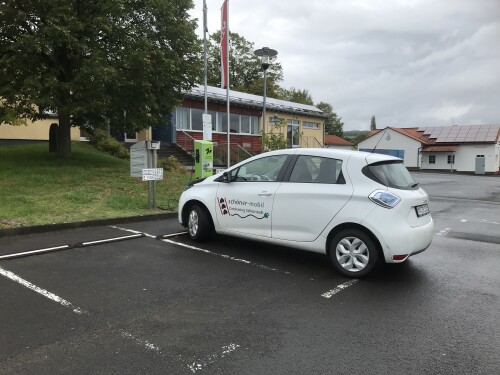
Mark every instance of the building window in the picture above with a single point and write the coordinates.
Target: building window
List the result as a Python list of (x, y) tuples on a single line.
[(254, 124), (197, 119), (182, 118), (245, 124), (235, 123), (191, 119), (451, 159), (310, 125), (432, 159)]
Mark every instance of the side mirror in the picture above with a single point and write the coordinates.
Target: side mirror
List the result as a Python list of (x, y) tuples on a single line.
[(226, 177)]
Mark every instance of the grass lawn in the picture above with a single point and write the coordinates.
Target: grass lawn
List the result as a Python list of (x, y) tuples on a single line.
[(37, 187)]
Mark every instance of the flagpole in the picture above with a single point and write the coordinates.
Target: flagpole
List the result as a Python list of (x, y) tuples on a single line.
[(205, 27), (227, 87)]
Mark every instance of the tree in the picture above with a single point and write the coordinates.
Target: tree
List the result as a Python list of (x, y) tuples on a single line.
[(93, 62), (373, 124), (245, 70), (296, 95), (333, 123)]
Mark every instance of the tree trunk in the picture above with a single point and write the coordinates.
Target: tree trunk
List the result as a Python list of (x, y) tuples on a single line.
[(64, 139)]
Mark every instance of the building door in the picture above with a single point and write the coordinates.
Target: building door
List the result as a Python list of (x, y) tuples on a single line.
[(292, 134), (480, 164), (165, 131)]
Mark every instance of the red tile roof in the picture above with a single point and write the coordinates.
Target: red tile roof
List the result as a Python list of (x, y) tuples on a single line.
[(334, 140), (414, 134), (456, 134), (373, 132)]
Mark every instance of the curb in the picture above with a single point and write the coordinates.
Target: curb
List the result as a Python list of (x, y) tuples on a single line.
[(83, 224)]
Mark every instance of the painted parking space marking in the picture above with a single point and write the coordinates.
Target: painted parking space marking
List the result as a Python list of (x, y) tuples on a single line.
[(162, 238), (108, 240), (480, 221), (132, 231), (171, 235), (34, 252), (201, 364), (225, 256), (43, 292), (145, 343), (339, 288), (443, 232)]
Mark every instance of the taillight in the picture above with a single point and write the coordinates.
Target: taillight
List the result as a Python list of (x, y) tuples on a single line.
[(399, 257)]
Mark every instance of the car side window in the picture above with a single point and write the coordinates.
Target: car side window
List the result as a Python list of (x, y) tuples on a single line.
[(264, 169), (315, 169)]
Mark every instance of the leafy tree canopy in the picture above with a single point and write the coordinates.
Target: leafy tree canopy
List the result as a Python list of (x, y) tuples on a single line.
[(333, 123), (120, 61), (373, 123), (245, 70), (296, 96)]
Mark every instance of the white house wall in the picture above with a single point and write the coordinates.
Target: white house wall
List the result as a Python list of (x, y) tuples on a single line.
[(465, 158), (396, 141)]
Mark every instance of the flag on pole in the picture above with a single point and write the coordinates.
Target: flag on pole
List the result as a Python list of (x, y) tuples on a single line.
[(224, 45)]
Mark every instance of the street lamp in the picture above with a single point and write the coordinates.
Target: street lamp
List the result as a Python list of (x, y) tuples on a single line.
[(265, 54)]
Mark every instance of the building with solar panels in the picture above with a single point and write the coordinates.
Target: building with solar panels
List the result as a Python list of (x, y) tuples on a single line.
[(460, 148), (300, 124)]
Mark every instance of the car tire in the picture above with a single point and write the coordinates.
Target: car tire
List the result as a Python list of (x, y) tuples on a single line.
[(353, 253), (199, 224)]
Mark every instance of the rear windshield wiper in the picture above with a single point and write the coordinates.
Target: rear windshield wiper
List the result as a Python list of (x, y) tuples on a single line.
[(415, 185)]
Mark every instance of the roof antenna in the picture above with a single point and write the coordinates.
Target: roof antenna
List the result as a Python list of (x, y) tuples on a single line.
[(382, 136)]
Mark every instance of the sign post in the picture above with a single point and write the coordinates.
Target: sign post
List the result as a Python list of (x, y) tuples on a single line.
[(143, 161), (207, 127)]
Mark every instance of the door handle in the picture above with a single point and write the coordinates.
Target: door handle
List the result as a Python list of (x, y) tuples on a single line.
[(265, 194)]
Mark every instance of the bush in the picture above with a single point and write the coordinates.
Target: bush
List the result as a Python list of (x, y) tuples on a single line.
[(171, 164), (104, 142)]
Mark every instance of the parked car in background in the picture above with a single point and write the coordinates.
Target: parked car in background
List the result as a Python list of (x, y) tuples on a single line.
[(358, 208)]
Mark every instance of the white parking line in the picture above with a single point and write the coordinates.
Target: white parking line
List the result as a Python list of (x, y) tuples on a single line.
[(115, 239), (225, 256), (205, 251), (33, 252), (200, 364), (480, 221), (132, 231), (339, 288), (141, 342), (443, 232), (43, 292)]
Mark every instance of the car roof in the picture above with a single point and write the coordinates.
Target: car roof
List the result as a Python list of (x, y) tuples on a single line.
[(334, 153)]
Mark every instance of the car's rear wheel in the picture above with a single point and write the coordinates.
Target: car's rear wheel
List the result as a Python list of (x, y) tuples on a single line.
[(199, 223), (353, 253)]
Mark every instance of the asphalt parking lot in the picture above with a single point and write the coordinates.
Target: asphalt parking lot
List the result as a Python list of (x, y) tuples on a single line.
[(144, 305)]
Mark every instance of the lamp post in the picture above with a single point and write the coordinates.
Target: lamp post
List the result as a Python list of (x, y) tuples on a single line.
[(265, 54)]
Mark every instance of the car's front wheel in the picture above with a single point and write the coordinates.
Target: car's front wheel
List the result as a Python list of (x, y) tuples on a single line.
[(199, 223), (353, 253)]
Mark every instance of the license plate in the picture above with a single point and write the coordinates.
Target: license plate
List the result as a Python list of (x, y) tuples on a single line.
[(422, 210)]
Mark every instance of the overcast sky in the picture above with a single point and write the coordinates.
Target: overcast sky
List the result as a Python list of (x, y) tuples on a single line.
[(407, 62)]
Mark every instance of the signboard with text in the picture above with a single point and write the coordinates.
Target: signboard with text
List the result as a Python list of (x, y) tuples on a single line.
[(152, 174)]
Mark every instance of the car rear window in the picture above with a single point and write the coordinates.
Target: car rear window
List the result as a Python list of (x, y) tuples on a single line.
[(392, 174)]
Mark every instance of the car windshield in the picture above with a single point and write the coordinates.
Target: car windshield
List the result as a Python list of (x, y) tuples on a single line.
[(393, 174)]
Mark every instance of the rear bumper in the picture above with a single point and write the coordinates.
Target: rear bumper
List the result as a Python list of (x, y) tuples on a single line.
[(398, 239)]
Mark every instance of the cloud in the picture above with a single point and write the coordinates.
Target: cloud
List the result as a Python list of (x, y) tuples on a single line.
[(408, 62)]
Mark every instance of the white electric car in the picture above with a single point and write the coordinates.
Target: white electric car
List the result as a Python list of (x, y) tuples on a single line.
[(356, 207)]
